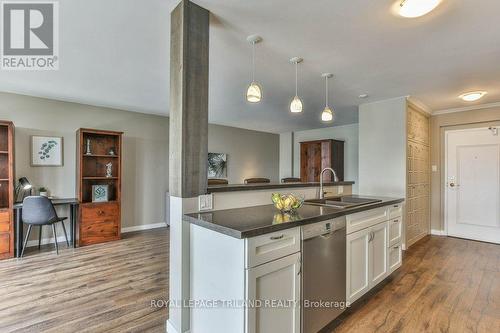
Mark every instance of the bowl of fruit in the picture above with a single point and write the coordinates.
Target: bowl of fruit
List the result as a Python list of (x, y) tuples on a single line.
[(287, 202)]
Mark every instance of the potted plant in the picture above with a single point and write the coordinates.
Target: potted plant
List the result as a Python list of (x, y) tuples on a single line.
[(43, 191)]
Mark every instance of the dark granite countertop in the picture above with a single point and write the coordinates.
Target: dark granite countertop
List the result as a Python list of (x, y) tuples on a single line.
[(266, 186), (260, 220)]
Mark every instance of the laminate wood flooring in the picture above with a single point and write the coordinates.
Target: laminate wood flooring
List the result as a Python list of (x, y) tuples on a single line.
[(445, 285)]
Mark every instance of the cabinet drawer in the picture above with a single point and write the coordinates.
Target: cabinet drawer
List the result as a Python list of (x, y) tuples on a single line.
[(100, 211), (266, 248), (396, 210), (362, 220), (92, 232), (4, 221), (395, 230), (395, 257)]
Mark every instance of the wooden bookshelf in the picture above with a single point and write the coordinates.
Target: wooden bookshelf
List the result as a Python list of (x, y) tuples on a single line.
[(6, 189), (99, 222)]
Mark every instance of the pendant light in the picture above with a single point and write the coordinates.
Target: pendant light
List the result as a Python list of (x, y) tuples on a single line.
[(327, 115), (254, 92), (296, 104)]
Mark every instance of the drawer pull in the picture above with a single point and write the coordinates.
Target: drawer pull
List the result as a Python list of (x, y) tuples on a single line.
[(396, 247), (395, 221), (396, 206), (101, 212), (277, 237)]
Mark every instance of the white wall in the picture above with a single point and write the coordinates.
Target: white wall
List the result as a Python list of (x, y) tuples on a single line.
[(347, 133), (382, 148), (145, 151), (286, 154)]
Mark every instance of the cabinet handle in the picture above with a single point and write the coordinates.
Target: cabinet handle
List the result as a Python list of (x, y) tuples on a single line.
[(372, 236), (277, 237), (299, 262), (395, 221), (396, 206), (100, 212), (396, 247)]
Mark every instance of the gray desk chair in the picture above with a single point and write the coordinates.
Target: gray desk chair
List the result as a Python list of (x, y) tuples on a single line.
[(39, 211)]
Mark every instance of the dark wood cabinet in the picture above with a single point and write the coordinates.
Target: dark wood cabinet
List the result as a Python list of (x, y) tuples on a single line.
[(320, 154), (97, 152), (6, 189)]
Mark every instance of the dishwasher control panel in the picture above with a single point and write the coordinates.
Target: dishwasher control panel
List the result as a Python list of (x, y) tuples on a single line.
[(321, 228)]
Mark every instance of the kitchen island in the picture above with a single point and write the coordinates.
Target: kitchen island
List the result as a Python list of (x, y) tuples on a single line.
[(247, 262)]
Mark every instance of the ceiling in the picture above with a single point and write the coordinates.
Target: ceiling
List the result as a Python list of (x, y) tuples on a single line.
[(115, 53)]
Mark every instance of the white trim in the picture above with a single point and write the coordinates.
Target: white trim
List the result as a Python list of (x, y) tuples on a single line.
[(437, 232), (144, 227), (467, 108)]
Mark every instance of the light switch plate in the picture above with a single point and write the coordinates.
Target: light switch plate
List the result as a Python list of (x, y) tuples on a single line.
[(340, 189), (434, 168), (206, 202)]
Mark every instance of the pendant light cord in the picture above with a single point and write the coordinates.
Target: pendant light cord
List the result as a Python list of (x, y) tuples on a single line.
[(326, 91), (296, 80), (253, 62)]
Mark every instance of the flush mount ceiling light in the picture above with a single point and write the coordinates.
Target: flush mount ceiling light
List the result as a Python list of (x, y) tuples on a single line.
[(296, 104), (472, 96), (417, 8), (254, 92), (328, 114)]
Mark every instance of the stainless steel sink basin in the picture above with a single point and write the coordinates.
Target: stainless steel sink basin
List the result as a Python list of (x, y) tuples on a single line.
[(342, 202)]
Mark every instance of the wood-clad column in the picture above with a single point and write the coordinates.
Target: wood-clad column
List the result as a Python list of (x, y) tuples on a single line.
[(189, 47)]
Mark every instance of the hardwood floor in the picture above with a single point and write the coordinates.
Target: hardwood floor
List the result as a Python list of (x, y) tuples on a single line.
[(99, 288), (445, 285)]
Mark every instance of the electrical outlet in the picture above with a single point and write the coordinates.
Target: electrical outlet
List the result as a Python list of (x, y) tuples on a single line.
[(205, 202)]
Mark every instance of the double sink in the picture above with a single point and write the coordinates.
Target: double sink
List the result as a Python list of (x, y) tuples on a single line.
[(343, 202)]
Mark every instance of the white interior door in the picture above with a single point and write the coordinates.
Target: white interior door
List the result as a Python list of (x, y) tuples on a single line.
[(472, 205)]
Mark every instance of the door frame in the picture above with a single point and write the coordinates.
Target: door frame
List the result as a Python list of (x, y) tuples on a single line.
[(444, 180)]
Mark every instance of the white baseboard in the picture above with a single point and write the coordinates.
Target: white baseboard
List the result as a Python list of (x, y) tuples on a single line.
[(61, 239), (144, 227), (436, 232)]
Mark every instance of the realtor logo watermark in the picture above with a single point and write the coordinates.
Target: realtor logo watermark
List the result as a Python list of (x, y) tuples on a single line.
[(30, 35)]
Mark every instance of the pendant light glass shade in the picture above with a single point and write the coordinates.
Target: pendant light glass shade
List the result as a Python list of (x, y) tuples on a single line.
[(327, 114), (254, 93), (296, 105)]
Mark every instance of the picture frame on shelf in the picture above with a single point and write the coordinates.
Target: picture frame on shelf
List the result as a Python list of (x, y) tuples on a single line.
[(47, 151), (100, 193)]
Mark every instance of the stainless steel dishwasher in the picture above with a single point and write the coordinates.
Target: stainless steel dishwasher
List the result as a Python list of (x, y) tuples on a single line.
[(323, 273)]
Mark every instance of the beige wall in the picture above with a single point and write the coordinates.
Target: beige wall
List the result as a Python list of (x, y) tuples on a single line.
[(439, 124), (145, 151), (249, 153)]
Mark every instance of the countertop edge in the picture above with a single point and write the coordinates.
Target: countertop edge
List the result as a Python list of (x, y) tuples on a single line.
[(277, 227), (253, 187)]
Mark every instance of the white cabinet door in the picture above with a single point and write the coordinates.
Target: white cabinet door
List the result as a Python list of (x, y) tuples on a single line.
[(277, 281), (379, 243), (357, 268)]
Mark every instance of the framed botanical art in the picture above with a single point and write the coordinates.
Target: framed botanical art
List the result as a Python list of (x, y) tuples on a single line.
[(46, 151), (217, 165)]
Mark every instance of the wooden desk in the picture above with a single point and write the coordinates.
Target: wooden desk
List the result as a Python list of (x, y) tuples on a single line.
[(73, 212)]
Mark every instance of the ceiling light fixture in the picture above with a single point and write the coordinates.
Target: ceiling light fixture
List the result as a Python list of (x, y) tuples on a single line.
[(296, 103), (254, 92), (472, 96), (417, 8), (327, 115)]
